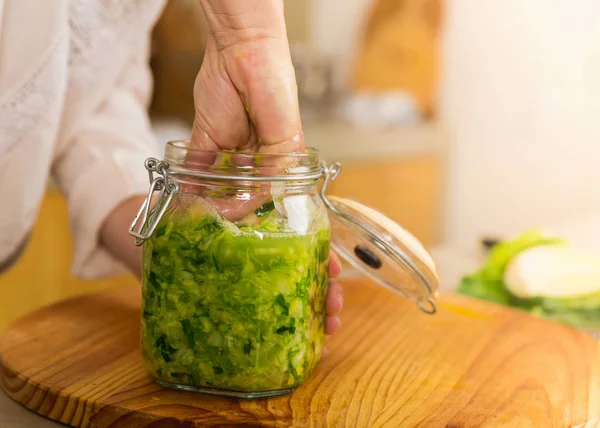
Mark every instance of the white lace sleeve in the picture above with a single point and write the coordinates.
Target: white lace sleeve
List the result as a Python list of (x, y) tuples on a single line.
[(103, 165)]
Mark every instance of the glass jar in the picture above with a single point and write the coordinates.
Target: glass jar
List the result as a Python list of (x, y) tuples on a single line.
[(235, 263)]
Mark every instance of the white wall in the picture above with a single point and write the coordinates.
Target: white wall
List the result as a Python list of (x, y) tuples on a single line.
[(521, 94), (337, 27)]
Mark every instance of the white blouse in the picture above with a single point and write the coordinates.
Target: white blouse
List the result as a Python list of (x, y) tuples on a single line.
[(74, 88)]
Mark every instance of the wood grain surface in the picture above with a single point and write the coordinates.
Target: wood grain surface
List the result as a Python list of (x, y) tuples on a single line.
[(471, 365)]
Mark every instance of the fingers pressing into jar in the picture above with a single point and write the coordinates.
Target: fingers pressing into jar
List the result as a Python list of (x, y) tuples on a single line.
[(335, 302), (335, 265), (335, 298), (335, 295), (245, 94)]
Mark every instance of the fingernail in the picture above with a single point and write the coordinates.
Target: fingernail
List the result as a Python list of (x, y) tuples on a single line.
[(340, 300)]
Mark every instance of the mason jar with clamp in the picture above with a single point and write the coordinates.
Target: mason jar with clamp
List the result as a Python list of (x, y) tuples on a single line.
[(235, 256)]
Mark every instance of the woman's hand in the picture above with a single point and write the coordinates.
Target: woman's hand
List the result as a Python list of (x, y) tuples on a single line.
[(335, 295), (115, 238), (246, 97), (246, 94)]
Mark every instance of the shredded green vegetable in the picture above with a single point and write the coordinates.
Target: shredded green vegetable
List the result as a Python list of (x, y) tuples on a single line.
[(240, 310)]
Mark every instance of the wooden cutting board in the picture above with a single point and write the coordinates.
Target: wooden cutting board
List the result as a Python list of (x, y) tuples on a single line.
[(471, 365)]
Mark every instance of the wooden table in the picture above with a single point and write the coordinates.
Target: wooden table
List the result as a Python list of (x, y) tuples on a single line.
[(472, 364)]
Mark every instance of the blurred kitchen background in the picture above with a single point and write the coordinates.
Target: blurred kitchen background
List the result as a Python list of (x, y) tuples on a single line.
[(459, 119)]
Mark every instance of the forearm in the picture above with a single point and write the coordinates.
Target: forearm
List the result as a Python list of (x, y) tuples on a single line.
[(114, 236)]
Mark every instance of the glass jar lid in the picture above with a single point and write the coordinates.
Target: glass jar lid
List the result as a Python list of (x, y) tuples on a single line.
[(373, 243), (381, 249)]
